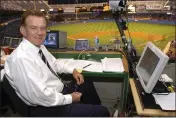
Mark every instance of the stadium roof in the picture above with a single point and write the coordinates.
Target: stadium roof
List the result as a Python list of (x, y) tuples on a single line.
[(74, 1), (88, 1)]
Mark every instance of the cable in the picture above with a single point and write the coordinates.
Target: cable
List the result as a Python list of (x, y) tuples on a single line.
[(128, 26), (80, 54), (123, 53)]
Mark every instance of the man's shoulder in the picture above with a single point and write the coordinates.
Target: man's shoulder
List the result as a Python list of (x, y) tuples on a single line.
[(19, 53)]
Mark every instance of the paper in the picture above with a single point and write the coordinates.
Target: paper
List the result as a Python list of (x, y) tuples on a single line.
[(94, 67), (166, 78), (166, 102), (79, 64), (65, 60), (112, 65)]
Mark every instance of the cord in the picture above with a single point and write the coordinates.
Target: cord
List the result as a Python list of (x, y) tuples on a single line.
[(126, 15), (158, 88), (163, 81), (80, 54)]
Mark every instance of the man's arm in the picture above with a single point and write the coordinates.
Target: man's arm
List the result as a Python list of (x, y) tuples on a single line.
[(61, 67), (29, 81)]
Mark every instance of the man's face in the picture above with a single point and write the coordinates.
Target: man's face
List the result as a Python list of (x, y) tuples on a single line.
[(34, 30)]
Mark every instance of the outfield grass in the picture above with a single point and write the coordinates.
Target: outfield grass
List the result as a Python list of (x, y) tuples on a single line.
[(108, 30)]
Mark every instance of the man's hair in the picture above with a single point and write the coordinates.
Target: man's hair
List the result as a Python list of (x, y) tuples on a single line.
[(31, 13)]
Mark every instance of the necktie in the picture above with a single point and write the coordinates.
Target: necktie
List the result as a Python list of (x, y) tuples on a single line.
[(46, 62)]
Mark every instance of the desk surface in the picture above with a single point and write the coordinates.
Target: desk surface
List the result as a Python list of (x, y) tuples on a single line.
[(105, 76), (143, 111), (125, 63)]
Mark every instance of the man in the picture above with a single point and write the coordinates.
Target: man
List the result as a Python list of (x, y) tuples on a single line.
[(31, 71)]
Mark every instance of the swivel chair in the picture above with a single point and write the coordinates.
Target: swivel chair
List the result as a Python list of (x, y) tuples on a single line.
[(24, 109), (20, 107)]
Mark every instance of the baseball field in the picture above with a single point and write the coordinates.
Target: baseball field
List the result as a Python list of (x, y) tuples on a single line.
[(140, 33)]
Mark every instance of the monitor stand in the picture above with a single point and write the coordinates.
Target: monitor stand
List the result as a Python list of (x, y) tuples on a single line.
[(160, 88)]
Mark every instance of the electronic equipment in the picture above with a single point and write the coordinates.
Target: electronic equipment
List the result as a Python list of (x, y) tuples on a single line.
[(7, 41), (15, 42), (55, 39), (150, 66), (81, 44)]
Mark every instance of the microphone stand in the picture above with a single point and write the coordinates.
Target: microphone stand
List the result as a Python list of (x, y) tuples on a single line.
[(129, 49)]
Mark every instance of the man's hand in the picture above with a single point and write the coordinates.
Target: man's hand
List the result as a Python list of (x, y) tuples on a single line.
[(76, 96), (78, 77)]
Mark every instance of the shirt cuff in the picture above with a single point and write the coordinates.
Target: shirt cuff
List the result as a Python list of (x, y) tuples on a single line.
[(68, 99), (70, 70), (2, 75)]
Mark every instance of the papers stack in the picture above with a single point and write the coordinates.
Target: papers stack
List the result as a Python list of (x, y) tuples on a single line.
[(112, 65), (106, 65), (166, 102), (94, 67)]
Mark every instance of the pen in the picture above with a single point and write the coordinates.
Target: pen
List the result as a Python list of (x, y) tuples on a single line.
[(87, 66), (76, 88), (161, 93)]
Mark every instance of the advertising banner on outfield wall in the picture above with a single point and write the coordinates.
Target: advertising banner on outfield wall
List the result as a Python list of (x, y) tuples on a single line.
[(154, 7), (69, 10), (140, 8), (131, 9)]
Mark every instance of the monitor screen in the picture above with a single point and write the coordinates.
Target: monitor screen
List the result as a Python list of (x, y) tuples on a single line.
[(150, 66), (81, 44), (7, 41), (15, 42), (51, 39)]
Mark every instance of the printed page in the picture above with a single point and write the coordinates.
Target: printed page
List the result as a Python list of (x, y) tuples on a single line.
[(94, 67), (166, 102), (112, 65)]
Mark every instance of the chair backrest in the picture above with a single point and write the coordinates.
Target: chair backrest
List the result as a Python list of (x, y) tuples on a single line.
[(20, 107)]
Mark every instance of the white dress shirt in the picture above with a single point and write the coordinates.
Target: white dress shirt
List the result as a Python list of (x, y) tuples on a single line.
[(32, 80)]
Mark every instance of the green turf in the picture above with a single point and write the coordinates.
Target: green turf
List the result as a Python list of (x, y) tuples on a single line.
[(167, 31)]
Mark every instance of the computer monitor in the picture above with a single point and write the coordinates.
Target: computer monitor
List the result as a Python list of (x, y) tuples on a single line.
[(51, 40), (7, 41), (15, 42), (150, 66), (81, 44)]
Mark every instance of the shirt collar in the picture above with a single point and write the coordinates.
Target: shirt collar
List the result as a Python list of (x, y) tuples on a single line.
[(31, 47)]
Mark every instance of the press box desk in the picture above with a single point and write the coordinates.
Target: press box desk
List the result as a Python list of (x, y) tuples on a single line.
[(142, 111), (101, 76)]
